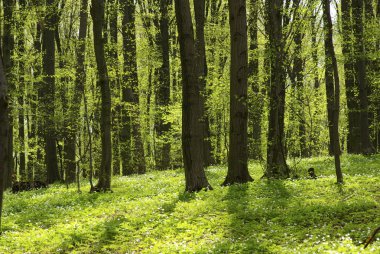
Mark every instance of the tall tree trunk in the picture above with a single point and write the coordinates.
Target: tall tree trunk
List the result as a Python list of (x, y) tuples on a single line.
[(97, 13), (200, 47), (48, 91), (3, 132), (257, 104), (192, 128), (353, 136), (130, 97), (8, 47), (298, 68), (276, 158), (361, 75), (332, 88), (21, 90), (34, 132), (74, 109), (114, 83), (238, 150), (163, 89)]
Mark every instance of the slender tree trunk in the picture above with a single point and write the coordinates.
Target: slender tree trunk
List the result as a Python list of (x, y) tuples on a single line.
[(163, 89), (130, 97), (353, 136), (3, 132), (361, 75), (332, 88), (48, 91), (8, 47), (192, 128), (21, 92), (34, 132), (114, 83), (200, 47), (238, 150), (74, 109), (257, 104), (298, 69), (276, 158), (97, 13)]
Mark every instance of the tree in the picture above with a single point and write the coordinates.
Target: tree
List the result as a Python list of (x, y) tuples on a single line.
[(200, 47), (238, 152), (130, 97), (276, 159), (361, 76), (192, 128), (4, 132), (21, 90), (332, 88), (47, 92), (97, 13), (353, 135), (257, 104), (8, 48), (74, 109), (163, 87)]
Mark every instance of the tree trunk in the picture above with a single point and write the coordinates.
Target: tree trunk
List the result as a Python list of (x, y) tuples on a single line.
[(48, 91), (74, 110), (353, 136), (332, 88), (192, 128), (3, 132), (97, 13), (21, 92), (238, 148), (114, 83), (276, 158), (257, 104), (163, 89), (8, 47), (130, 97), (200, 47), (298, 69), (34, 132), (361, 76)]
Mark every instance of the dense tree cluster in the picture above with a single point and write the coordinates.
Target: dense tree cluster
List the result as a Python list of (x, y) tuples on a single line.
[(155, 85)]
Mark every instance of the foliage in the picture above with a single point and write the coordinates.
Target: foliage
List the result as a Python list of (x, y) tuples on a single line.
[(150, 214)]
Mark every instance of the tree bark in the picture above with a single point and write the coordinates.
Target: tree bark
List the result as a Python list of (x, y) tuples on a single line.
[(21, 91), (257, 104), (8, 48), (130, 97), (353, 136), (200, 47), (276, 158), (74, 110), (4, 132), (192, 128), (332, 88), (97, 13), (361, 76), (48, 91), (163, 89), (238, 147)]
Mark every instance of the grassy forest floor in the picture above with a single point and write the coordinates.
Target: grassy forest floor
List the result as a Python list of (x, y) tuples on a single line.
[(151, 214)]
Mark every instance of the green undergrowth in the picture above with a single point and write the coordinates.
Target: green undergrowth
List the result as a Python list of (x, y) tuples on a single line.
[(151, 214)]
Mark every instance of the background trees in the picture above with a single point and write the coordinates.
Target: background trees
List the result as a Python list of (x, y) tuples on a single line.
[(58, 112)]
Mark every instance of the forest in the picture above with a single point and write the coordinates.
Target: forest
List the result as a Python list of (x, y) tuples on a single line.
[(189, 126)]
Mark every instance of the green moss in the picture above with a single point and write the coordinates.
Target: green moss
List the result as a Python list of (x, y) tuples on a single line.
[(151, 214)]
